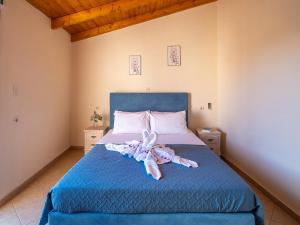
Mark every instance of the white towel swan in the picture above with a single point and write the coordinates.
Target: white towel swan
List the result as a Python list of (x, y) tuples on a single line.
[(151, 154)]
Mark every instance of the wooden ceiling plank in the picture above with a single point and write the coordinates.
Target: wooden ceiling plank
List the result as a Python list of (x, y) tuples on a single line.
[(138, 19), (49, 8), (100, 11), (59, 8)]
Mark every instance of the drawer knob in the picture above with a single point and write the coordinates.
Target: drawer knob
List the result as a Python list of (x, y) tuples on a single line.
[(210, 139), (93, 136)]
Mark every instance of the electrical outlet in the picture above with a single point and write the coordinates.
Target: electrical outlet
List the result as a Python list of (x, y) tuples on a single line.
[(201, 107)]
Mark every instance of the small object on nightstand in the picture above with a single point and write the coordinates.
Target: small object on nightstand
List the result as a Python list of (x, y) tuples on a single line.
[(211, 137), (92, 135), (206, 130), (96, 117)]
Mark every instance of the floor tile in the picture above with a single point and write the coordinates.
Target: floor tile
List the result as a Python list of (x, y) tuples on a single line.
[(35, 222), (8, 215), (27, 205), (282, 217), (29, 214), (10, 220), (6, 209), (267, 221), (267, 203), (275, 223)]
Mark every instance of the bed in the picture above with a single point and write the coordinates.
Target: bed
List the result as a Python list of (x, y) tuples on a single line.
[(105, 187)]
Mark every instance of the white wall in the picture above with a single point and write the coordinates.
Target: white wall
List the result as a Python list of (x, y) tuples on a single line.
[(100, 65), (37, 60), (259, 87)]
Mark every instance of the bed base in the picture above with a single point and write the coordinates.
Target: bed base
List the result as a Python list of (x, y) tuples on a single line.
[(57, 218)]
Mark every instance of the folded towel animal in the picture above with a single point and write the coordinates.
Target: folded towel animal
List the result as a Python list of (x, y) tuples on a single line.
[(151, 154)]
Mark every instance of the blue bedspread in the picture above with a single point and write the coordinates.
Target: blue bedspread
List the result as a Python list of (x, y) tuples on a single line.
[(107, 182)]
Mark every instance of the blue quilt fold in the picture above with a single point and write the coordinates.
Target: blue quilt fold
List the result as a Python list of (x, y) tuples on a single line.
[(107, 182)]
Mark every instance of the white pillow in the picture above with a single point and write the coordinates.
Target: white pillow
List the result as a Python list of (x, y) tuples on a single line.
[(168, 122), (130, 122)]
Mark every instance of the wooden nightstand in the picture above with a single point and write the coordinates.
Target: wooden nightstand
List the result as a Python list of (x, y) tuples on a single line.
[(212, 139), (92, 135)]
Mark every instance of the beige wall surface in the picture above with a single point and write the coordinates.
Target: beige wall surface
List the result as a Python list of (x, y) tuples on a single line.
[(100, 65), (35, 65), (259, 86)]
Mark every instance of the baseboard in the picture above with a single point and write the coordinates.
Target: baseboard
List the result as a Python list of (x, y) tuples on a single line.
[(21, 187), (263, 190), (79, 148)]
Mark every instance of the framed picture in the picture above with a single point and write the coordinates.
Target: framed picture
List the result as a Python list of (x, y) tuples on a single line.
[(135, 65), (174, 55)]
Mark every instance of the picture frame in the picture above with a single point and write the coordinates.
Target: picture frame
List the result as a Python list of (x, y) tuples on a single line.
[(174, 55), (135, 65)]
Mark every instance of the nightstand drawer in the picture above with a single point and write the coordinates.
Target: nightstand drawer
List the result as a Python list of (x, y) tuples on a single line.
[(215, 148), (210, 139), (93, 136)]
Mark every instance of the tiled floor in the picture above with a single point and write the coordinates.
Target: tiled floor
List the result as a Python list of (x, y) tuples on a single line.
[(25, 208)]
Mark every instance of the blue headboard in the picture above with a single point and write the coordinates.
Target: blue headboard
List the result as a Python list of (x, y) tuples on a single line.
[(134, 102)]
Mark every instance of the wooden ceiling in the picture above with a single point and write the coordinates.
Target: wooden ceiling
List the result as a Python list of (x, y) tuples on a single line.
[(88, 18)]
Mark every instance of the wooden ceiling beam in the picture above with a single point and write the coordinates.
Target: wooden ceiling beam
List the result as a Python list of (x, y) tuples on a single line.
[(100, 11), (138, 19)]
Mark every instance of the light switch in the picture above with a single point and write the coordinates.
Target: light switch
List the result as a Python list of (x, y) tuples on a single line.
[(14, 90), (209, 105)]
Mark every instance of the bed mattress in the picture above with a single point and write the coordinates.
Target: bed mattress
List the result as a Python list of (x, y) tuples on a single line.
[(188, 138), (107, 182)]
